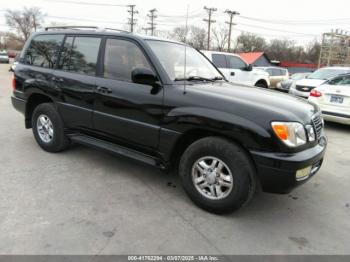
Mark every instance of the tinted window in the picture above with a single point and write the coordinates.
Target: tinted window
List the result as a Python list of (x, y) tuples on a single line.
[(277, 72), (43, 50), (79, 55), (219, 61), (235, 62), (121, 57), (344, 80)]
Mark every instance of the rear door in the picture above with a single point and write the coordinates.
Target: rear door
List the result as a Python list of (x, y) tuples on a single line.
[(75, 80), (125, 111)]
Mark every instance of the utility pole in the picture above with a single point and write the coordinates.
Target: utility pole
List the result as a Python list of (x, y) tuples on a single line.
[(132, 20), (152, 15), (230, 23), (34, 23), (209, 21)]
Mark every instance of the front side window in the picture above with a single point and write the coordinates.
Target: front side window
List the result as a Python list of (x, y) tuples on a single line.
[(43, 50), (172, 57), (79, 55), (235, 62), (121, 58), (219, 61)]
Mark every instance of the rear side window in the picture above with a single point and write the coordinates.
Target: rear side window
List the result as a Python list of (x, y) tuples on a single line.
[(43, 51), (79, 55), (277, 72), (121, 58), (219, 61)]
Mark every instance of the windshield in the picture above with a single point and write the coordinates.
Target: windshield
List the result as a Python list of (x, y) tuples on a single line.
[(299, 76), (3, 53), (172, 57), (327, 73)]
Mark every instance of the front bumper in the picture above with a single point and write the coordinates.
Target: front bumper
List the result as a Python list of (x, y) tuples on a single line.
[(277, 171)]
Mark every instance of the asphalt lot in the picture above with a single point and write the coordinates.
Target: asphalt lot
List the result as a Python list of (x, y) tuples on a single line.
[(83, 201)]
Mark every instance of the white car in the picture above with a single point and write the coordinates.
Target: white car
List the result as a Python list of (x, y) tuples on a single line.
[(333, 98), (276, 75), (304, 86), (4, 58), (237, 70)]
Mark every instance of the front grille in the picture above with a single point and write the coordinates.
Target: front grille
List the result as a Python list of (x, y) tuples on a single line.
[(318, 125), (304, 88)]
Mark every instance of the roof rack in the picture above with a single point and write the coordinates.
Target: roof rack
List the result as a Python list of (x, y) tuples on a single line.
[(83, 27)]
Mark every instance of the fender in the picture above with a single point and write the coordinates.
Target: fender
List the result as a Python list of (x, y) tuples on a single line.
[(181, 121)]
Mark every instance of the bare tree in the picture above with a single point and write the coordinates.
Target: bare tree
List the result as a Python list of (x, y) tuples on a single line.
[(197, 37), (248, 42), (220, 37), (24, 22)]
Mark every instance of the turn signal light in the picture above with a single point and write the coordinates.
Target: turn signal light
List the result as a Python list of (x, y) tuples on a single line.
[(13, 83), (315, 93), (281, 131)]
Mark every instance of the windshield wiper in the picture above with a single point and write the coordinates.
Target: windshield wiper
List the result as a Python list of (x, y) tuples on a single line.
[(200, 78), (195, 78)]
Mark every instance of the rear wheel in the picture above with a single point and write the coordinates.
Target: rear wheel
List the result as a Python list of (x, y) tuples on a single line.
[(217, 175), (48, 128), (262, 85)]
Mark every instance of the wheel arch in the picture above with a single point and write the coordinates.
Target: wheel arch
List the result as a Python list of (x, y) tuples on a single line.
[(33, 101)]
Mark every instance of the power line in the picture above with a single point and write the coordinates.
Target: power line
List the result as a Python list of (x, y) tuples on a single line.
[(277, 30), (209, 21), (85, 3), (230, 23), (132, 20), (298, 22)]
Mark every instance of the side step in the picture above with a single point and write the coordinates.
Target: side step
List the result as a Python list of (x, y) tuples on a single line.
[(115, 149)]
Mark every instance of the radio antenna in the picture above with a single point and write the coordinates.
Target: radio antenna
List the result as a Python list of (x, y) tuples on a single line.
[(185, 59)]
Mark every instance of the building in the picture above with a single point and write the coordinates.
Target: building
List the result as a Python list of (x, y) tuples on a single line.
[(256, 59), (261, 59)]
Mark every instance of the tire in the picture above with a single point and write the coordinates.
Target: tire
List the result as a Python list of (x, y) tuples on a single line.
[(233, 161), (262, 85), (55, 142)]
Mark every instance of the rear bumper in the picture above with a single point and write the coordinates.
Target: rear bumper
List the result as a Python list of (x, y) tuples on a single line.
[(336, 117), (277, 171), (299, 93), (19, 104)]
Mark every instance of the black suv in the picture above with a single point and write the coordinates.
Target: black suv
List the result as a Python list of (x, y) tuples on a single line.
[(165, 104)]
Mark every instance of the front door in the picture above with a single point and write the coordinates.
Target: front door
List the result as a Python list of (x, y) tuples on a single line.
[(123, 110)]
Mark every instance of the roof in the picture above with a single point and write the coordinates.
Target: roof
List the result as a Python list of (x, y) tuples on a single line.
[(251, 57)]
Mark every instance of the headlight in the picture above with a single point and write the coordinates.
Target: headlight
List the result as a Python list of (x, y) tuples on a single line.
[(291, 133), (310, 133)]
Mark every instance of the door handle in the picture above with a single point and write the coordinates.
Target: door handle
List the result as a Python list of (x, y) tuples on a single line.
[(232, 73), (104, 90)]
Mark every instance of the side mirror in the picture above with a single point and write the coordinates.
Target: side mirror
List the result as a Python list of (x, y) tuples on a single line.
[(143, 76), (249, 67)]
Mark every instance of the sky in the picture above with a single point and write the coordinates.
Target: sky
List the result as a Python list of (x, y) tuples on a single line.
[(298, 20)]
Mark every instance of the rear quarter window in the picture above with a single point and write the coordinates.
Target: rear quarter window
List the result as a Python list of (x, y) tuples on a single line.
[(43, 51)]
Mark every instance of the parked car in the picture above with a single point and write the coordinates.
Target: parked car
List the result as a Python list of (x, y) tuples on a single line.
[(303, 87), (235, 69), (276, 74), (124, 94), (333, 97), (4, 58), (286, 84)]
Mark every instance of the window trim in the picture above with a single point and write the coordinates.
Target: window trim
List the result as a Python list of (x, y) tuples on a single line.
[(26, 48), (103, 51)]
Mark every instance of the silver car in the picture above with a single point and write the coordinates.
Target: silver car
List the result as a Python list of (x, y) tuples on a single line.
[(4, 58)]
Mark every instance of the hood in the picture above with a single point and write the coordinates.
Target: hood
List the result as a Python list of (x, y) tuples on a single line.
[(310, 82), (253, 103)]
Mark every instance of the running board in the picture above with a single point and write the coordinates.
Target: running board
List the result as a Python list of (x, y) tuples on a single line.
[(115, 149)]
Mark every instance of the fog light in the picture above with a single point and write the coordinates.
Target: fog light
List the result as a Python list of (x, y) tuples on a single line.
[(303, 173)]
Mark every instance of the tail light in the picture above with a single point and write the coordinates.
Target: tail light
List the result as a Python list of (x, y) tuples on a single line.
[(13, 83), (315, 93)]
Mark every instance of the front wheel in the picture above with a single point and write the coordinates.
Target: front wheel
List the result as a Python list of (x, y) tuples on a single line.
[(217, 175)]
